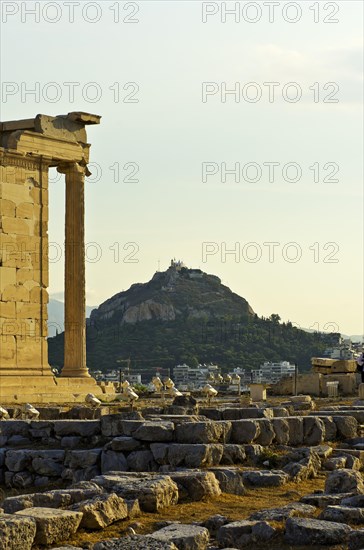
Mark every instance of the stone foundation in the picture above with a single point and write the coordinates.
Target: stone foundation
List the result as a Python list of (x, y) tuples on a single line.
[(48, 389), (35, 453)]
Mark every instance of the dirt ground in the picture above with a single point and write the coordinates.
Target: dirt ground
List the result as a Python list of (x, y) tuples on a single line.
[(232, 506)]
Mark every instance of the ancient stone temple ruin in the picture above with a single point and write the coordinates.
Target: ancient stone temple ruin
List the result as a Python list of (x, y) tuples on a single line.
[(28, 148)]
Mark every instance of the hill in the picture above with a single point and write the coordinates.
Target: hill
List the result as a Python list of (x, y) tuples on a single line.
[(186, 315)]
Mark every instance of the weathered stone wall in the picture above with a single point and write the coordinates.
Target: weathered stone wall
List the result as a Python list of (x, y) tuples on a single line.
[(23, 266), (77, 450)]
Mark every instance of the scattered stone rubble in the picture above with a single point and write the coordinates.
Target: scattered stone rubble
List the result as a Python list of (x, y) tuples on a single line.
[(121, 466)]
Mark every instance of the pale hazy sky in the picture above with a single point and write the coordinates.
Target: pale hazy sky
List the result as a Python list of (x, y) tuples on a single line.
[(164, 126)]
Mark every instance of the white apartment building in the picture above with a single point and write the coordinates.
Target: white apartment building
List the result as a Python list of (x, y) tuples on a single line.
[(186, 377), (272, 372)]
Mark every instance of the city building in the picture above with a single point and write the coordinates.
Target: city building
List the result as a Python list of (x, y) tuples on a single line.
[(189, 378), (345, 350), (272, 372)]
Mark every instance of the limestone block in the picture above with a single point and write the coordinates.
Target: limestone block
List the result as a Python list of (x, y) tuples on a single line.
[(31, 500), (14, 327), (230, 480), (41, 277), (295, 424), (244, 413), (7, 278), (125, 443), (321, 500), (356, 539), (265, 478), (312, 532), (196, 485), (245, 431), (304, 464), (84, 428), (19, 176), (7, 247), (24, 274), (22, 480), (284, 512), (17, 259), (141, 542), (7, 310), (53, 525), (83, 459), (133, 508), (17, 194), (41, 211), (127, 426), (191, 537), (344, 481), (281, 429), (7, 208), (330, 428), (16, 533), (236, 534), (267, 433), (71, 442), (58, 498), (187, 454), (353, 462), (28, 310), (155, 431), (343, 514), (15, 293), (335, 463), (14, 427), (113, 462), (347, 426), (31, 351), (9, 174), (112, 424), (30, 243), (356, 501), (7, 351), (29, 285), (39, 295), (38, 196), (83, 475), (25, 210), (233, 454), (40, 228), (18, 460), (313, 430), (17, 226), (142, 461), (101, 511), (22, 251), (47, 467), (2, 456), (203, 432), (155, 492)]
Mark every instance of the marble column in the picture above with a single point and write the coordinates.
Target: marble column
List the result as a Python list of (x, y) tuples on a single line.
[(75, 302)]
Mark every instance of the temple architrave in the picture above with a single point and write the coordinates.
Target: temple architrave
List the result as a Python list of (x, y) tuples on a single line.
[(28, 148)]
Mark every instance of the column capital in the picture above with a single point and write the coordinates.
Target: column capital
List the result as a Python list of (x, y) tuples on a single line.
[(73, 168)]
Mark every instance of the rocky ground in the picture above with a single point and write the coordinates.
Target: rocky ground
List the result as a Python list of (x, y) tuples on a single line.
[(190, 477)]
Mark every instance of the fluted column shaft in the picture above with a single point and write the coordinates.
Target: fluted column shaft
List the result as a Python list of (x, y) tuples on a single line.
[(75, 302)]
